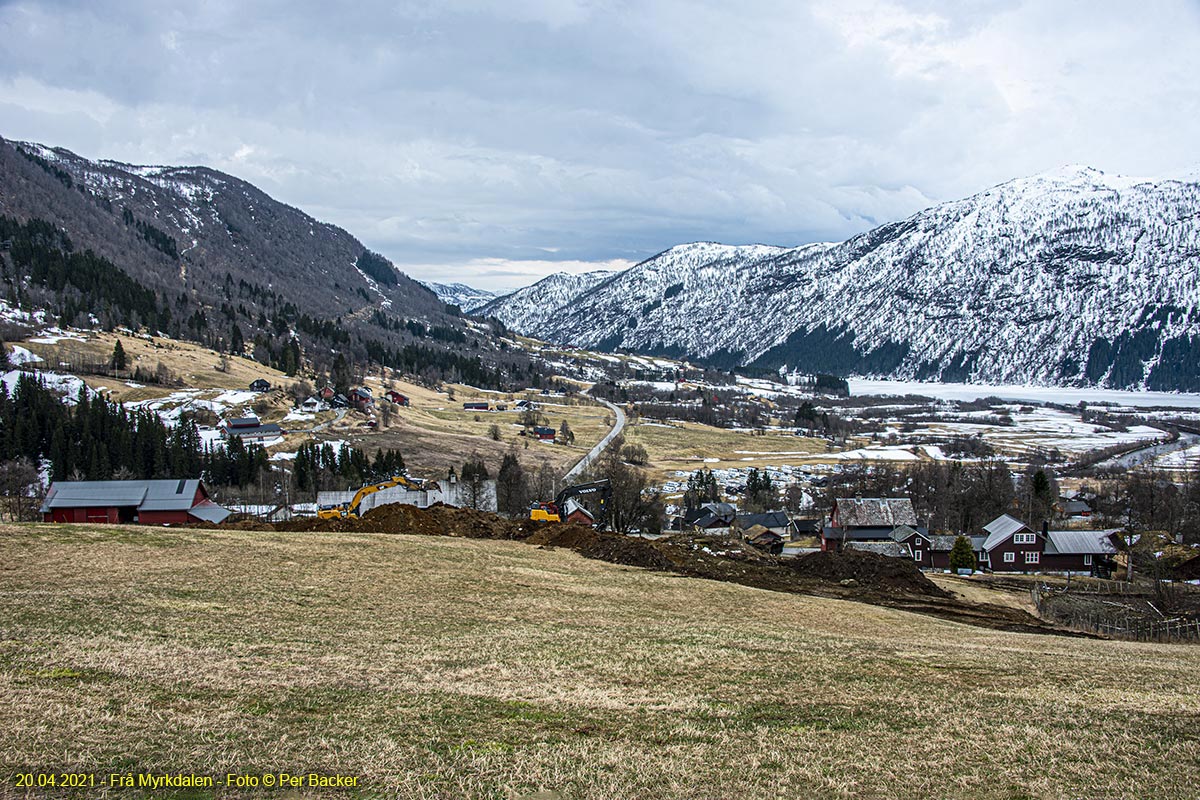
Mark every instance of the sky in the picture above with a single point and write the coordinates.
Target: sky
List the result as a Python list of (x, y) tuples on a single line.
[(492, 142)]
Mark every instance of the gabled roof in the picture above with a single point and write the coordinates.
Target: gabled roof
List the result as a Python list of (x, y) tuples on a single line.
[(1080, 542), (1001, 528), (241, 422), (170, 495), (903, 532), (874, 511), (209, 511), (1076, 507), (942, 544)]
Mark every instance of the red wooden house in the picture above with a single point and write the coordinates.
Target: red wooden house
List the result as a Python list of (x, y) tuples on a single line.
[(146, 502), (1012, 546), (397, 398)]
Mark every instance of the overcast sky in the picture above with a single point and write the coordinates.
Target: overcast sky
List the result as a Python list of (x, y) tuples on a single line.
[(494, 142)]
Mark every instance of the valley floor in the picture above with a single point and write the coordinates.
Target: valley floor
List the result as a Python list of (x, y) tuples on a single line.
[(438, 667)]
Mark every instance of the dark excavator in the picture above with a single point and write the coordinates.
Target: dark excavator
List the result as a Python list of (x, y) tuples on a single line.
[(599, 493)]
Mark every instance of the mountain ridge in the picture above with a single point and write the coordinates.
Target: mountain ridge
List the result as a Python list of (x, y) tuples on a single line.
[(1073, 276)]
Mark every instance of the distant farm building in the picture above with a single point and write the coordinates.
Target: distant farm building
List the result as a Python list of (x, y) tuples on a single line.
[(361, 398), (249, 429), (260, 385), (544, 433), (397, 398), (477, 405), (143, 502), (866, 519)]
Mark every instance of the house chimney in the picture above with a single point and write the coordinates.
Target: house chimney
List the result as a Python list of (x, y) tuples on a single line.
[(1045, 529)]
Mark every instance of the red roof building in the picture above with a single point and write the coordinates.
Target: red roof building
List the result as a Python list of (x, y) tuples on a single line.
[(144, 502)]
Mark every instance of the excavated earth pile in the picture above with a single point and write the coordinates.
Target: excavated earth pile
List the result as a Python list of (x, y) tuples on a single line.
[(868, 569)]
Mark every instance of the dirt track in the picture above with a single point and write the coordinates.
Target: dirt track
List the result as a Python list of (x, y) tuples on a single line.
[(863, 577)]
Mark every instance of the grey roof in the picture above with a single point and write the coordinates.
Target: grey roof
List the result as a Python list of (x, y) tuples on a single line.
[(269, 429), (1001, 528), (75, 494), (209, 511), (147, 495), (1075, 507), (771, 519), (1076, 542), (902, 532), (875, 511), (241, 422), (890, 549), (942, 544)]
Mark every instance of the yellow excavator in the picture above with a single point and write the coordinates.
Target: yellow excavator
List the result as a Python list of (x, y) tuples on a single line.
[(554, 512), (350, 510)]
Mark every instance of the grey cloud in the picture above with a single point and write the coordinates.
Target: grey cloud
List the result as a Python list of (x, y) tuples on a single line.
[(452, 132)]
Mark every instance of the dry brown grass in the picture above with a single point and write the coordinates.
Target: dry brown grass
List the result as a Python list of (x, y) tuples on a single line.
[(685, 446), (193, 364), (448, 668)]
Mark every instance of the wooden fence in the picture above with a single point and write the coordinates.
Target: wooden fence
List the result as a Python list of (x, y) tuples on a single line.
[(1116, 625)]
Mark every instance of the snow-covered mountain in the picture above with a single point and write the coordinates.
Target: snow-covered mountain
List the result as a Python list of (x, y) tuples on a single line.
[(537, 305), (465, 297), (1067, 277)]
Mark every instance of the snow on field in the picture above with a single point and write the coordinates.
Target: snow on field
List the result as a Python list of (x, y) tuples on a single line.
[(661, 386), (877, 453), (233, 397), (1034, 394), (20, 355), (295, 415), (54, 335), (66, 385), (283, 456), (1184, 458)]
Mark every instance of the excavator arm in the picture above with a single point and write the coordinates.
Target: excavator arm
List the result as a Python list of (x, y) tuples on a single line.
[(351, 509)]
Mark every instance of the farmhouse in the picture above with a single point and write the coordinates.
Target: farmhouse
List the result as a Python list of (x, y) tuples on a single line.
[(361, 398), (1012, 546), (397, 398), (148, 502), (477, 405), (260, 385), (871, 519), (544, 433)]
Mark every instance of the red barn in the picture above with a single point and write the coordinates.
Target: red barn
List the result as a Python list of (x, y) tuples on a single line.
[(397, 398), (145, 502)]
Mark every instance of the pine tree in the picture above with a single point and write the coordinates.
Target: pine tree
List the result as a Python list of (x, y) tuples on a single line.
[(117, 361), (961, 555), (237, 345)]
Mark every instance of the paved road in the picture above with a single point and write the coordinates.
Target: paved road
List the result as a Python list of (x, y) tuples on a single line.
[(592, 454), (341, 412)]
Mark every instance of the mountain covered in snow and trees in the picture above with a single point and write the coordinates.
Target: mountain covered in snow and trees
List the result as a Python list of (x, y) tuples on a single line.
[(202, 255), (1071, 277), (467, 298)]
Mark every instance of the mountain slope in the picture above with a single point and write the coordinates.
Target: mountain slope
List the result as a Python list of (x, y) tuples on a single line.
[(1072, 276), (465, 297), (221, 263), (537, 305)]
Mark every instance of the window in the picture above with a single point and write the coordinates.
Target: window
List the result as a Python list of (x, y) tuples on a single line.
[(986, 557), (1024, 538), (1087, 560), (917, 555), (1010, 558), (1032, 557)]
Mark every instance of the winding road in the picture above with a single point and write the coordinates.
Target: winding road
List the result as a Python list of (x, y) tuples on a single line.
[(595, 452)]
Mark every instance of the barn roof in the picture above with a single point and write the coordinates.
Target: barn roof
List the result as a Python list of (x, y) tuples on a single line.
[(770, 519), (875, 511), (1079, 542), (147, 495)]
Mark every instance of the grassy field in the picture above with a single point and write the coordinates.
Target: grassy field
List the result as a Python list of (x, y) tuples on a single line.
[(437, 667), (688, 446)]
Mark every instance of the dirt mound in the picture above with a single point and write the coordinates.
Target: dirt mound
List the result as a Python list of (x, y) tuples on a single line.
[(869, 570), (611, 547)]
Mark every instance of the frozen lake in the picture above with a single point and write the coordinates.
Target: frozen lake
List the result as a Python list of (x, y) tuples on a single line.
[(1029, 394)]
